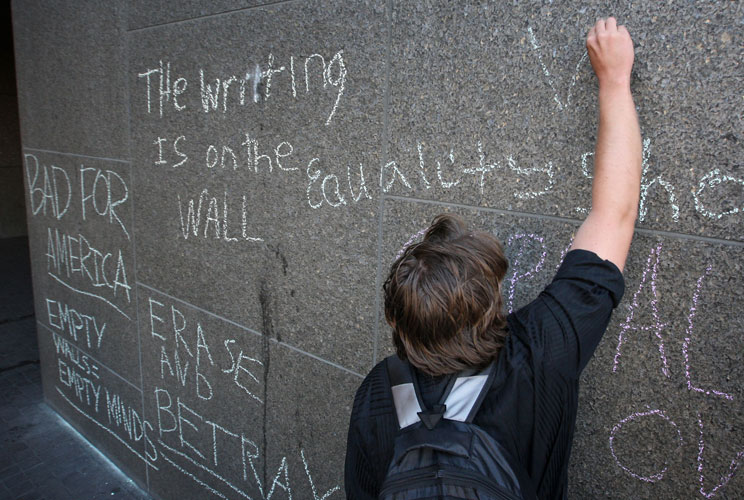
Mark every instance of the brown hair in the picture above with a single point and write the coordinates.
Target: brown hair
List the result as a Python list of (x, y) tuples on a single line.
[(443, 298)]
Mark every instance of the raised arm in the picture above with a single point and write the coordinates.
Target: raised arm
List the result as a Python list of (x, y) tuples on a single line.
[(608, 229)]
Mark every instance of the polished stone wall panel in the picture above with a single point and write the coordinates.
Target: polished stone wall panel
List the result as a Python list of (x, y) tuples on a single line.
[(71, 87), (144, 14), (82, 254), (273, 174), (501, 104)]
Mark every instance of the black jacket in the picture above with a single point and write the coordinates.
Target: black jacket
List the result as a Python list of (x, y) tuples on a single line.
[(531, 406)]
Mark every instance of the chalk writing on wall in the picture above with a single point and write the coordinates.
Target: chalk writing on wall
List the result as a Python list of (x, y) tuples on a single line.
[(631, 328), (191, 219), (86, 387), (236, 90), (524, 241), (650, 275), (98, 192), (205, 214), (656, 476), (198, 364), (80, 382), (169, 325), (286, 121), (73, 259), (175, 416), (562, 103), (77, 324), (329, 183)]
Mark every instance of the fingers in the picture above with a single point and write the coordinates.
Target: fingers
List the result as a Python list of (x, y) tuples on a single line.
[(605, 25), (603, 28)]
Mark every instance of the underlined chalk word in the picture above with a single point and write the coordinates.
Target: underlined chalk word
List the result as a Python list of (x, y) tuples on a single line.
[(74, 262)]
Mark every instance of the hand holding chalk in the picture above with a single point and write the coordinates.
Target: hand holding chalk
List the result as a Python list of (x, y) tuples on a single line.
[(610, 52)]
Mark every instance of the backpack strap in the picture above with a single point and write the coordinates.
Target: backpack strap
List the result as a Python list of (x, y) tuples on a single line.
[(466, 395), (406, 394), (461, 400)]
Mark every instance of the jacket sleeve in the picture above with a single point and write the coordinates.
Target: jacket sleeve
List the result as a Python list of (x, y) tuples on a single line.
[(566, 322), (358, 480)]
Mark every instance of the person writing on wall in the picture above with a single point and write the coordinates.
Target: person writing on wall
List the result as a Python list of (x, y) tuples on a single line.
[(443, 302)]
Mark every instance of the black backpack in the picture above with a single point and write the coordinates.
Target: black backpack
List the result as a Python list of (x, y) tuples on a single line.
[(439, 452)]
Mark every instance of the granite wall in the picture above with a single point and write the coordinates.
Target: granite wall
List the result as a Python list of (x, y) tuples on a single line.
[(215, 191)]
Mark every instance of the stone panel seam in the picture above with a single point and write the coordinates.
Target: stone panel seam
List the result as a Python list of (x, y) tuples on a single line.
[(90, 356), (378, 280), (385, 154), (216, 14), (254, 332), (119, 160), (683, 236), (568, 220), (501, 211), (124, 41), (317, 358)]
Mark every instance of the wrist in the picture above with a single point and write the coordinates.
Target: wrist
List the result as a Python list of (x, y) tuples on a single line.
[(614, 86)]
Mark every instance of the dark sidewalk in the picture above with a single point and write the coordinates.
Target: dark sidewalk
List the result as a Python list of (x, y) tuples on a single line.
[(41, 455)]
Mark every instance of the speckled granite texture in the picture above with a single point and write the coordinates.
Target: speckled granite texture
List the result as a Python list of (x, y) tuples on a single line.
[(224, 187)]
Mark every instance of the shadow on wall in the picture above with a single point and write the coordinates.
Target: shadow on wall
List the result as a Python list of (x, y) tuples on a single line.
[(12, 207)]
